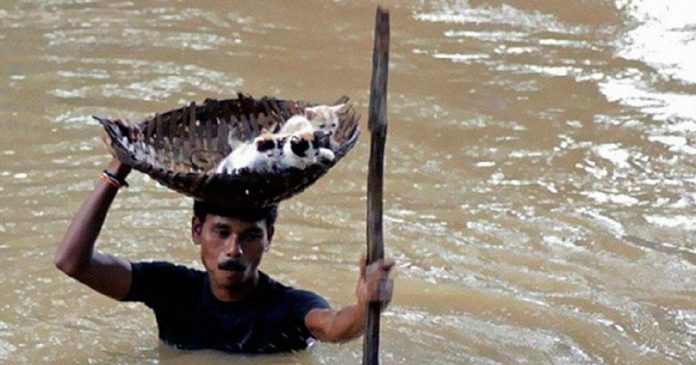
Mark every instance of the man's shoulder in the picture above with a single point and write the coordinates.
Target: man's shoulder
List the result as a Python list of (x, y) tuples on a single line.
[(153, 280), (294, 295), (165, 267), (268, 284)]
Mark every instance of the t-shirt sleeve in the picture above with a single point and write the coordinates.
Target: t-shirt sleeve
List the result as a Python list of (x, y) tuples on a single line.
[(305, 301), (156, 283)]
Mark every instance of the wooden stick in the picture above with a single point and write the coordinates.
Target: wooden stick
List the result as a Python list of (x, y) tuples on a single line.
[(377, 122)]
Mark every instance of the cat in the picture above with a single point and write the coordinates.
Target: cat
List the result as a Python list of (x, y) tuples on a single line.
[(296, 123), (304, 148), (262, 154), (325, 118)]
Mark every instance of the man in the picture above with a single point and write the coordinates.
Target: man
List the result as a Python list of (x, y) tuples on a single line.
[(231, 306)]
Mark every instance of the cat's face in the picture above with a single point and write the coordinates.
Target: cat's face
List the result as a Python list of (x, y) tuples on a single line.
[(324, 117), (267, 145), (306, 144)]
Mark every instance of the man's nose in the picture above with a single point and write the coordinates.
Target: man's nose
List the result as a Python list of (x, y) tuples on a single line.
[(232, 247)]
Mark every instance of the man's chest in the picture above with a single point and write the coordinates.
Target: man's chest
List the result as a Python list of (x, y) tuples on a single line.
[(249, 329)]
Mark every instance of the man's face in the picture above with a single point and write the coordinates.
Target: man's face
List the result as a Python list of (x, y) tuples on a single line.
[(231, 249)]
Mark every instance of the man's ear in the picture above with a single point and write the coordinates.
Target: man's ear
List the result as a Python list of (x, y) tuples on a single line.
[(196, 229)]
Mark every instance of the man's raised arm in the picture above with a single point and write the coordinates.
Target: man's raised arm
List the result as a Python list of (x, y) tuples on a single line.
[(374, 285), (75, 255)]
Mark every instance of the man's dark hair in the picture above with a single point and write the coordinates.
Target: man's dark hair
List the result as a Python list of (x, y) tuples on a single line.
[(268, 214)]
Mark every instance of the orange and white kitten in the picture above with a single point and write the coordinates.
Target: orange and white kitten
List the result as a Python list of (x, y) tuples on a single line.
[(325, 118), (304, 148)]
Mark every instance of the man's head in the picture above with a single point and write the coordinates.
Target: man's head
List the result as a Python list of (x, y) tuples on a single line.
[(232, 242)]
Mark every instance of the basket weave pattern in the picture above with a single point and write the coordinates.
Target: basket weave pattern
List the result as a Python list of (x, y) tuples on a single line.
[(181, 148)]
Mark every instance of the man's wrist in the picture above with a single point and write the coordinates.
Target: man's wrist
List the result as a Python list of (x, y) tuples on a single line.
[(362, 306), (118, 169)]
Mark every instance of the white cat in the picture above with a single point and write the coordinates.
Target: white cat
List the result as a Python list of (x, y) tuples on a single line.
[(304, 148), (325, 118)]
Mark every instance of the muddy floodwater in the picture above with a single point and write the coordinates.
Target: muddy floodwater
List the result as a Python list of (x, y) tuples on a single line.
[(540, 178)]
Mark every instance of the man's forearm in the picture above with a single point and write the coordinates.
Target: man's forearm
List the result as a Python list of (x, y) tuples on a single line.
[(337, 326), (74, 253), (374, 286)]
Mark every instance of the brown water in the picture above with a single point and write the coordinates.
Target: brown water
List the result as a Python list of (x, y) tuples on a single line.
[(540, 177)]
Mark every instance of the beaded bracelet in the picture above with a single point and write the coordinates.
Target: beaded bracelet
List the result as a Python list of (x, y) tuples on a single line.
[(112, 180), (105, 179)]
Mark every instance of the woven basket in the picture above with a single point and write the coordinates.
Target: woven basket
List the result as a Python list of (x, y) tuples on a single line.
[(181, 148)]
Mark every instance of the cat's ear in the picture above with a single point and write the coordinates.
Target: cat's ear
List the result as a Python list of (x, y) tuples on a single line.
[(233, 138), (271, 129), (337, 108), (310, 113)]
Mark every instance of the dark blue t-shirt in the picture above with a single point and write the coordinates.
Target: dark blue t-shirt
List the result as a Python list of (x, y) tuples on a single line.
[(189, 316)]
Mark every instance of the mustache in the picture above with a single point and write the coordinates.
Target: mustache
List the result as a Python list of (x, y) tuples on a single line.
[(231, 265)]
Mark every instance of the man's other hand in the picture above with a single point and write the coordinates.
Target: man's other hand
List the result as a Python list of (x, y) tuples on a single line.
[(374, 284)]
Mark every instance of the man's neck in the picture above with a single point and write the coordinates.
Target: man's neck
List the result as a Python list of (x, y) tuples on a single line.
[(236, 293)]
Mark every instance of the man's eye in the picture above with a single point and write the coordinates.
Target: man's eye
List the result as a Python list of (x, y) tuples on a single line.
[(223, 233), (250, 237)]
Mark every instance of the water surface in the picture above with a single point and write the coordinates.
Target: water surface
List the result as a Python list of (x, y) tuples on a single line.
[(540, 175)]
